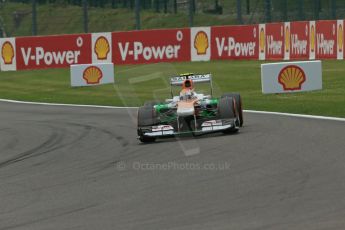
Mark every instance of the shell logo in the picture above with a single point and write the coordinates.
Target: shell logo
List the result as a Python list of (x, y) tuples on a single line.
[(340, 38), (262, 40), (102, 48), (7, 53), (312, 38), (291, 77), (287, 39), (92, 75), (201, 43)]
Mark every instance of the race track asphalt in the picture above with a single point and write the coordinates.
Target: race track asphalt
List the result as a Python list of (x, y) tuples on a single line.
[(83, 168)]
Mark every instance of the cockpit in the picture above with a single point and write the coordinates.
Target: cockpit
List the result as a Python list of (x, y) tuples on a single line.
[(187, 92)]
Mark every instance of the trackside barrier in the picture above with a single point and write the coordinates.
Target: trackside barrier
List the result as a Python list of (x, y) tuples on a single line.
[(92, 74), (289, 77), (303, 40), (151, 46)]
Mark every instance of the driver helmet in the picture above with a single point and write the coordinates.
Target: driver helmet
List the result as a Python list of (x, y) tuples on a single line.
[(187, 84), (187, 90)]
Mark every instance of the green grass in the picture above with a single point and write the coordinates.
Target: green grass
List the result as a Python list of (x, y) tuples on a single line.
[(136, 84)]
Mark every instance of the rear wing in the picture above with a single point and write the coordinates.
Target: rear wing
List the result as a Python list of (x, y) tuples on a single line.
[(196, 78)]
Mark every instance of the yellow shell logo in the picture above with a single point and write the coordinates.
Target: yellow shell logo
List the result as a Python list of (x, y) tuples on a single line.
[(92, 75), (312, 38), (7, 53), (102, 48), (340, 38), (291, 77), (287, 39), (201, 43), (262, 40)]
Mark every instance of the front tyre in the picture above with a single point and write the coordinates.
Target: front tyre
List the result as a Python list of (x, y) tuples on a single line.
[(227, 110), (145, 118), (145, 139), (239, 107)]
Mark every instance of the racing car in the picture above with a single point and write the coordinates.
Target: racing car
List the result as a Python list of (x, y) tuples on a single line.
[(190, 112)]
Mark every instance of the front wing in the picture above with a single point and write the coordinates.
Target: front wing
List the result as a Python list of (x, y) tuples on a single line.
[(210, 126)]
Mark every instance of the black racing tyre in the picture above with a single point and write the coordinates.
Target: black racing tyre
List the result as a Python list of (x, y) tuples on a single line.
[(146, 118), (239, 107), (226, 110), (145, 139)]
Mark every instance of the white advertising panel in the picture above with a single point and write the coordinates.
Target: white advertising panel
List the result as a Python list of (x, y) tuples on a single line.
[(200, 43), (262, 42), (312, 40), (288, 77), (92, 74), (8, 54), (287, 43), (101, 48), (340, 39)]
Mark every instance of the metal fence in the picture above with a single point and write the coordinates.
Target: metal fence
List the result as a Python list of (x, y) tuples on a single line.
[(41, 17)]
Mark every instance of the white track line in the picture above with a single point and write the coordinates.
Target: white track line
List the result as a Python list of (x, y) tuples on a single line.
[(67, 105), (296, 115), (118, 107)]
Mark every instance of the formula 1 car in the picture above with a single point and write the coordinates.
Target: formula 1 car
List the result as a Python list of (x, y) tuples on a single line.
[(190, 112)]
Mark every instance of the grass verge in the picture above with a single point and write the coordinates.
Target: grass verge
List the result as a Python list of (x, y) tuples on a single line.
[(136, 84)]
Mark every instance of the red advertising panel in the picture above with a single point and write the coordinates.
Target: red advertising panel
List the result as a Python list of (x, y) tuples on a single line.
[(326, 39), (53, 51), (299, 40), (151, 46), (235, 42), (274, 41)]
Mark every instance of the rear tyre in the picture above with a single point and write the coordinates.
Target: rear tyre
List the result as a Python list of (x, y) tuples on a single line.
[(239, 107), (227, 110), (145, 118)]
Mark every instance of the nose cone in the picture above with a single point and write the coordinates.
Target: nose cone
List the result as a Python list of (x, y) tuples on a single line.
[(185, 111)]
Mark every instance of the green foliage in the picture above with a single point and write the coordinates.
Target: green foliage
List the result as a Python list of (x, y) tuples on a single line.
[(66, 16), (66, 19)]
